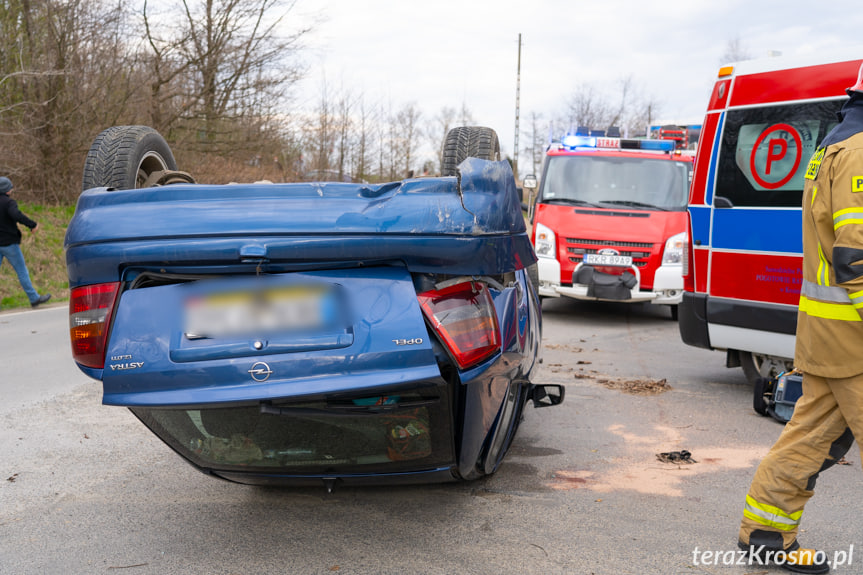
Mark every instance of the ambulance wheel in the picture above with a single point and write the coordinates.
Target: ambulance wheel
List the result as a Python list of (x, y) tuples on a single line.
[(468, 142), (761, 387), (756, 366), (127, 157)]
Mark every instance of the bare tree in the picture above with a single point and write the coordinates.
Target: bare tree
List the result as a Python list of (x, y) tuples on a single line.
[(624, 105), (437, 130), (344, 131), (320, 136), (394, 151), (167, 101), (220, 61), (407, 123), (628, 109), (537, 140), (364, 137), (643, 115), (62, 67), (381, 131), (586, 108), (735, 51), (465, 115)]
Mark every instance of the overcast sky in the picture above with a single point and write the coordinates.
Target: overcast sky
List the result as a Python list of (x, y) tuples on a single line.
[(445, 52)]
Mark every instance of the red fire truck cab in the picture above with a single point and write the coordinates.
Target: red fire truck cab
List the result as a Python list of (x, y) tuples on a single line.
[(610, 220)]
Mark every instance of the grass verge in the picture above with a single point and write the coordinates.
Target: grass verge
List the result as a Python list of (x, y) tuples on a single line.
[(43, 252)]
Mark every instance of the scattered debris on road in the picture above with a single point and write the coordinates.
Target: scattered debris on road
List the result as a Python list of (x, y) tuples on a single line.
[(675, 457), (639, 386)]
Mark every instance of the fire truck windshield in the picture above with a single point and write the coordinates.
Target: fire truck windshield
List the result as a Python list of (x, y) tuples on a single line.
[(623, 181)]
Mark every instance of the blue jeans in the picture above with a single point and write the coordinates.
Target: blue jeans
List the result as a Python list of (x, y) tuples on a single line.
[(16, 258)]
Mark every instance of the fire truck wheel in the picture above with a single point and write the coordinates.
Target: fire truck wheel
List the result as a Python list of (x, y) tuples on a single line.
[(468, 142), (127, 157)]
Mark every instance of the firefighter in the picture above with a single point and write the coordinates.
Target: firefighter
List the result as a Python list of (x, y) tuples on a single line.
[(829, 339)]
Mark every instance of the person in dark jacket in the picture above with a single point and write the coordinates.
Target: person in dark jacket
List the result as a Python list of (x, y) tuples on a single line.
[(10, 241)]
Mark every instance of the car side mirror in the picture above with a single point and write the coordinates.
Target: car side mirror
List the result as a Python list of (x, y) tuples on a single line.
[(547, 395)]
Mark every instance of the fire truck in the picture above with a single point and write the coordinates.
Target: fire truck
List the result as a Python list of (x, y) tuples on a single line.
[(610, 221), (685, 134), (743, 270)]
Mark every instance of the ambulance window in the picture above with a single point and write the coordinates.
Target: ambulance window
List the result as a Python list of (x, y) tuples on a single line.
[(765, 152)]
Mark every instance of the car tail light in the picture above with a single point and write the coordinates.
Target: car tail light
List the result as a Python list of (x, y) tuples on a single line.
[(464, 317), (90, 310)]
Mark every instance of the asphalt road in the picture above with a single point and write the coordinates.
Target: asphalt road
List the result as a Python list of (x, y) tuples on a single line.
[(87, 489)]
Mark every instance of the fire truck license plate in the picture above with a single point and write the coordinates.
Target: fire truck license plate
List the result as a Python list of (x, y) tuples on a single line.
[(607, 260)]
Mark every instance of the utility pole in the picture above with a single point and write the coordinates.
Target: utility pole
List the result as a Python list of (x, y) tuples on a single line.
[(517, 104)]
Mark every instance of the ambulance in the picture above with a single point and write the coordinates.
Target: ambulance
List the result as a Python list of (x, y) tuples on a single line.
[(743, 265), (610, 222)]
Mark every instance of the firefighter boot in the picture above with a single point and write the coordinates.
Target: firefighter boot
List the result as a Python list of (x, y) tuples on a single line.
[(765, 548)]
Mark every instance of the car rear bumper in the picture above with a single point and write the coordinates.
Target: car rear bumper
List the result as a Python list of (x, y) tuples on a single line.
[(438, 475)]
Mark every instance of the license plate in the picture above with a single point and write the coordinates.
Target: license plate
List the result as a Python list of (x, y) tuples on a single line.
[(259, 311), (607, 260)]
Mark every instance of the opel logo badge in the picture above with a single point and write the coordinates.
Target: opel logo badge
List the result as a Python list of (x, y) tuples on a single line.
[(260, 371)]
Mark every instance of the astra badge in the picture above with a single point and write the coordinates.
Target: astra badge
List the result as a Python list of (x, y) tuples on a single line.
[(260, 371)]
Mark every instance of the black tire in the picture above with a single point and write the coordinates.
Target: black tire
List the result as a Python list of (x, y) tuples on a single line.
[(124, 157), (501, 438), (759, 403), (468, 142), (533, 274), (504, 432)]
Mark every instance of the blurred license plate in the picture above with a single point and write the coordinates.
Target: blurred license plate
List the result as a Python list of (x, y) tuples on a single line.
[(607, 260), (260, 312)]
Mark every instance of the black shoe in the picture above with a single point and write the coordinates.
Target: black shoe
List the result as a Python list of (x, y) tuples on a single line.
[(42, 299), (795, 558)]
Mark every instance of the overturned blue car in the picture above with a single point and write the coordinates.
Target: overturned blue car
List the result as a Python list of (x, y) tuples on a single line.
[(310, 333)]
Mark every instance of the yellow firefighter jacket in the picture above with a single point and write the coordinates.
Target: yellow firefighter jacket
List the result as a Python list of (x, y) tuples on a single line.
[(829, 322)]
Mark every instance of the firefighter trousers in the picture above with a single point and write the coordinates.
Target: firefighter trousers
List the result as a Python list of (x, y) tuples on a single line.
[(826, 418)]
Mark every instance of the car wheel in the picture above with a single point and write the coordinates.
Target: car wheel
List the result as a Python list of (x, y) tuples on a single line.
[(533, 274), (761, 387), (504, 432), (756, 366), (468, 142), (125, 157)]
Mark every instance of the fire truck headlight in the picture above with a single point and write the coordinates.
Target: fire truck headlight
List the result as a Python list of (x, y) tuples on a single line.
[(674, 246), (545, 242)]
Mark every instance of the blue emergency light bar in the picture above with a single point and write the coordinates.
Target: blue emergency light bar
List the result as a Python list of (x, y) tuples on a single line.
[(572, 141)]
